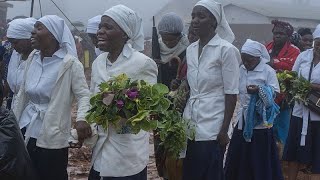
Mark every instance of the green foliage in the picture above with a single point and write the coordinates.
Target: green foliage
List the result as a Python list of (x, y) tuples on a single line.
[(143, 106), (296, 88)]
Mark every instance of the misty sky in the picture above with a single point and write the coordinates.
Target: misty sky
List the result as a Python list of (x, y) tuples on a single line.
[(82, 10)]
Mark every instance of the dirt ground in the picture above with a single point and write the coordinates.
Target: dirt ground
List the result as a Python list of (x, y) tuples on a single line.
[(79, 164)]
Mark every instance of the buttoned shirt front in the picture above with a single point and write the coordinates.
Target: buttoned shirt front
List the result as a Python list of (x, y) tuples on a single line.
[(211, 75)]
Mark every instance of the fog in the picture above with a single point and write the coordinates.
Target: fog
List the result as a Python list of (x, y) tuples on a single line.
[(82, 10)]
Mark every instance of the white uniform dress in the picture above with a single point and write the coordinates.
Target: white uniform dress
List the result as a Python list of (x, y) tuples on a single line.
[(40, 80), (119, 155)]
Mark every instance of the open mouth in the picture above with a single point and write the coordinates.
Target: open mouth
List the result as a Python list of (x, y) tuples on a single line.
[(33, 40)]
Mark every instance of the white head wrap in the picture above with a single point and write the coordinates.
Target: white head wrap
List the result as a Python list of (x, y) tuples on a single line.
[(130, 22), (316, 33), (93, 24), (223, 28), (61, 32), (21, 28), (256, 49), (170, 23)]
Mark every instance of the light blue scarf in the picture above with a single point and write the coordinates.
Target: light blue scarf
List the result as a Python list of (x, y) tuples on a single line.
[(261, 109)]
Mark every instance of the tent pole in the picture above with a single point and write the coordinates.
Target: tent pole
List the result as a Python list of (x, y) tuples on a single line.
[(31, 11)]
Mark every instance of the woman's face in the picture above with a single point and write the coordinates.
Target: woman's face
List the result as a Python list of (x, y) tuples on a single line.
[(316, 47), (41, 37), (110, 35), (22, 46), (280, 36), (203, 22), (249, 62), (306, 41), (170, 40)]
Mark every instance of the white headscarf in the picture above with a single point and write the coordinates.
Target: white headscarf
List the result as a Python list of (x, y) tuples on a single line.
[(61, 32), (21, 28), (130, 22), (316, 33), (170, 23), (93, 24), (223, 28), (256, 49)]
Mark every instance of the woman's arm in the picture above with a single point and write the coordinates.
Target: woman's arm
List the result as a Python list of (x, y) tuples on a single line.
[(230, 75), (82, 94)]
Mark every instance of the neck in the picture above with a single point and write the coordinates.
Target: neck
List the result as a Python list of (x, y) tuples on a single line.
[(279, 46), (49, 51), (205, 40), (114, 54), (316, 58), (26, 54)]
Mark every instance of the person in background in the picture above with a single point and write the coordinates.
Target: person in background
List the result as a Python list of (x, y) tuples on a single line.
[(19, 34), (80, 52), (121, 155), (173, 44), (306, 39), (252, 153), (213, 77), (282, 52), (92, 29), (182, 73), (53, 78), (6, 59), (295, 39), (303, 145), (283, 55)]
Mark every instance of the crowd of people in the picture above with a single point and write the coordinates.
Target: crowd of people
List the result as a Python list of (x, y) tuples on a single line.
[(41, 71)]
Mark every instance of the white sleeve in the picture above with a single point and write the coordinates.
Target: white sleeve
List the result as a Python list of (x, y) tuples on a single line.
[(230, 70), (272, 80), (297, 63), (80, 90)]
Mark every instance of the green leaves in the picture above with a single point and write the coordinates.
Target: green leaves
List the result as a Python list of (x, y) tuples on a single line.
[(149, 109)]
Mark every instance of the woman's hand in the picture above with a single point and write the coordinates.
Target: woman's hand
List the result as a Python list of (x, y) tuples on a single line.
[(83, 130), (252, 89), (175, 84), (223, 139)]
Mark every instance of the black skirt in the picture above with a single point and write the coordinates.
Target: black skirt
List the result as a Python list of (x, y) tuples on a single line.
[(255, 160), (95, 175), (204, 161), (308, 154)]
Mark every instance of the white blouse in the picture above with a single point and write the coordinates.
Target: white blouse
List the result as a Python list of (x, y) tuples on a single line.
[(210, 76), (40, 81), (263, 74), (302, 67), (119, 155)]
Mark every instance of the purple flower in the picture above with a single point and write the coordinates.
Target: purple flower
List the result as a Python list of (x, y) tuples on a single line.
[(120, 104), (132, 93)]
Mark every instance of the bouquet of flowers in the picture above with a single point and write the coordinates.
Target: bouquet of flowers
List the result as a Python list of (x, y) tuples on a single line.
[(285, 79), (296, 88), (131, 106)]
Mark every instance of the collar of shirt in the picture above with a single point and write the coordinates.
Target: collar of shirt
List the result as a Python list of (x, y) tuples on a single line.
[(126, 53), (215, 41), (59, 54)]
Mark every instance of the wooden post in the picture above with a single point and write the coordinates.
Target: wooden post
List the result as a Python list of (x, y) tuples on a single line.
[(31, 11)]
